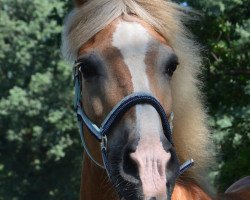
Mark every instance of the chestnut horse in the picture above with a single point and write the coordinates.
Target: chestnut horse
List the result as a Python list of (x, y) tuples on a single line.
[(136, 64)]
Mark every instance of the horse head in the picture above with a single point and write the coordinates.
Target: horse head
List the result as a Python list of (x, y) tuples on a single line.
[(123, 54)]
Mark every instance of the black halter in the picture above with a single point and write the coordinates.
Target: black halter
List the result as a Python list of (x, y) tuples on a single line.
[(100, 133)]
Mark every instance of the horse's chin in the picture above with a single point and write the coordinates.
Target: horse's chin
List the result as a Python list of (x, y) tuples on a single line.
[(126, 192)]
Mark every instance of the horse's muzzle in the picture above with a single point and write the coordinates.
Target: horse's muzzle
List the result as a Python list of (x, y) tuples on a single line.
[(151, 169)]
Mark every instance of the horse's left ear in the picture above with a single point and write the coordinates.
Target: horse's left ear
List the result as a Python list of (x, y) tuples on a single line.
[(78, 3)]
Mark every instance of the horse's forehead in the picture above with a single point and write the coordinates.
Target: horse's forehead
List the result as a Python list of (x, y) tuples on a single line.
[(130, 48), (130, 26)]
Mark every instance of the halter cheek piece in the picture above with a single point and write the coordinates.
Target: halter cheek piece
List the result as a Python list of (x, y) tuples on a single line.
[(100, 133)]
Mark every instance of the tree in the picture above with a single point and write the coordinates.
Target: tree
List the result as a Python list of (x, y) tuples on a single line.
[(40, 151), (224, 30), (39, 145)]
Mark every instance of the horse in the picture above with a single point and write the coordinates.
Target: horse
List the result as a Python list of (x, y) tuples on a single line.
[(138, 103)]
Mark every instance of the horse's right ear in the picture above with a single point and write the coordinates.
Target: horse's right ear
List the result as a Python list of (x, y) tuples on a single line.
[(78, 3)]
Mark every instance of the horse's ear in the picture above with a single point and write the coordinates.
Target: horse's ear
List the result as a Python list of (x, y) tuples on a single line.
[(78, 3)]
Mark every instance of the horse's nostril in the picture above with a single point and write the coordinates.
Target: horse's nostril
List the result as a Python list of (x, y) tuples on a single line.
[(129, 165)]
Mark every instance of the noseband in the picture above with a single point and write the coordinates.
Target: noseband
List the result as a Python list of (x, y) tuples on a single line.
[(100, 133)]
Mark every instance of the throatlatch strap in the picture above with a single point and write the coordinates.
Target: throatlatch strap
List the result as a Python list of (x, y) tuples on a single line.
[(80, 124)]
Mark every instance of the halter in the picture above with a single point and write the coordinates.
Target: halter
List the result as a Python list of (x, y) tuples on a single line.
[(100, 133)]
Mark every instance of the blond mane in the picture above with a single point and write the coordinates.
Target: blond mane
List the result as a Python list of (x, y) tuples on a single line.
[(191, 135)]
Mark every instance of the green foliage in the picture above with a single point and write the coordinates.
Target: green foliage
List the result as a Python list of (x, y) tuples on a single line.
[(40, 153), (39, 145), (225, 32)]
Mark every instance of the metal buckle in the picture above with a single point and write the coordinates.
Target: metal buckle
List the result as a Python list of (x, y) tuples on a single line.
[(104, 143), (75, 71), (188, 164)]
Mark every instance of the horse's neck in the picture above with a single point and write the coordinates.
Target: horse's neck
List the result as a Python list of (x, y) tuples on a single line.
[(94, 183), (189, 191)]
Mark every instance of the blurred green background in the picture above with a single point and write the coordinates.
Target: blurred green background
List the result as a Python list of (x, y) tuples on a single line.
[(40, 152)]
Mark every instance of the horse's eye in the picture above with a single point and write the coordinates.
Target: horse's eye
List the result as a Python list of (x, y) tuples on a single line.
[(171, 66), (88, 70)]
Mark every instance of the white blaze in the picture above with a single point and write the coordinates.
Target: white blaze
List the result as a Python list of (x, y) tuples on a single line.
[(133, 40)]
